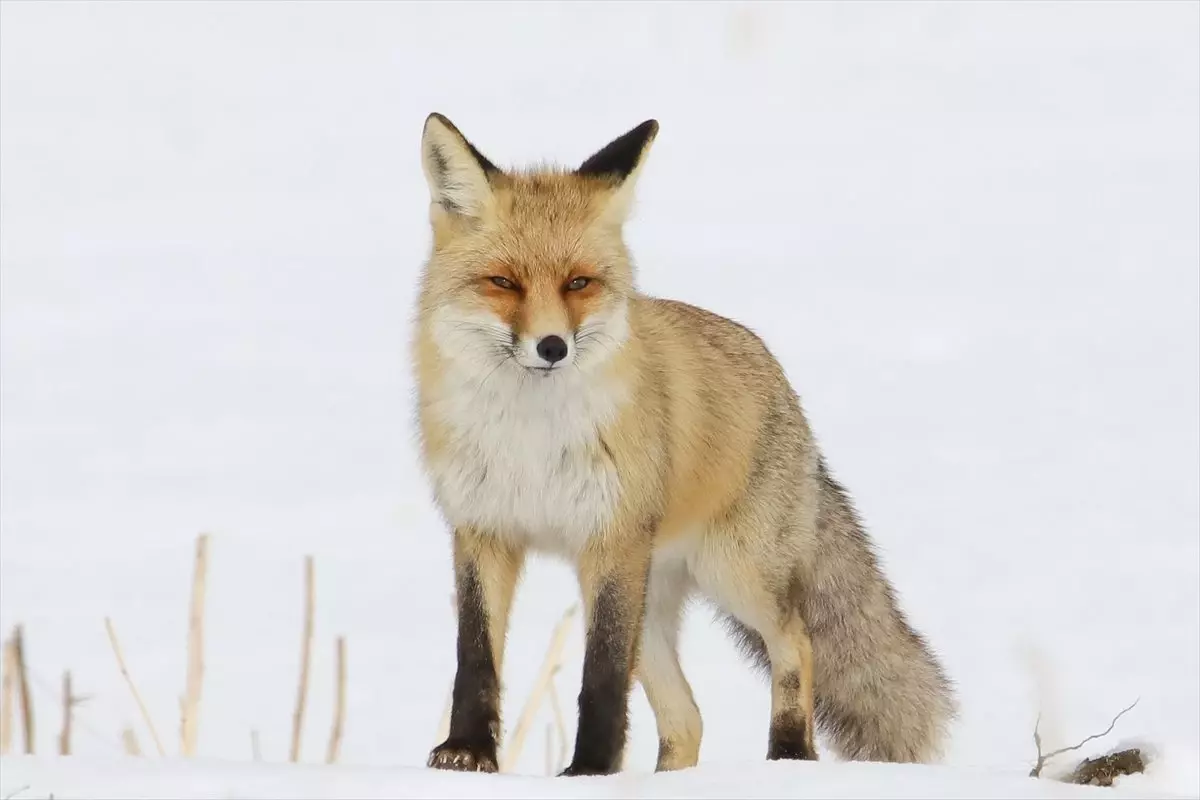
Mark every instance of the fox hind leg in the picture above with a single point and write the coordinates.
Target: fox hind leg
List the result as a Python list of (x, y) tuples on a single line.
[(791, 657), (758, 589)]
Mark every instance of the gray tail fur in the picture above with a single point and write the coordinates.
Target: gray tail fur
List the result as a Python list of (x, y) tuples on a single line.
[(880, 694)]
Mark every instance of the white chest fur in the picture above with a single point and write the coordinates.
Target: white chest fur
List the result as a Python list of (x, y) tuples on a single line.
[(524, 457)]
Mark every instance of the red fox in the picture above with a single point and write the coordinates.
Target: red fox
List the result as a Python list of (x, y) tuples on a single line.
[(657, 447)]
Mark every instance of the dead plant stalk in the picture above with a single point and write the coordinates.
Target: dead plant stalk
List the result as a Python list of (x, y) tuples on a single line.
[(305, 659), (137, 696), (190, 724)]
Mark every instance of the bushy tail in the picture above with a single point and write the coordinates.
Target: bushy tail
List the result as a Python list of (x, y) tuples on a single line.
[(880, 694)]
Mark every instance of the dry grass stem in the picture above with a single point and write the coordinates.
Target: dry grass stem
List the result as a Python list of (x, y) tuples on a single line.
[(68, 707), (339, 708), (8, 697), (27, 723), (305, 659), (516, 742), (137, 696), (190, 723)]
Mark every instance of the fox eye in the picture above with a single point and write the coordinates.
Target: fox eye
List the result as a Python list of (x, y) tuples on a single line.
[(502, 282), (577, 284)]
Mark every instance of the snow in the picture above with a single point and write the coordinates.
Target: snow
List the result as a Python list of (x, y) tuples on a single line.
[(84, 777), (970, 232)]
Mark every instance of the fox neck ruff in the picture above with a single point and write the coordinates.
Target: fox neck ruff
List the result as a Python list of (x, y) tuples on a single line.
[(522, 455)]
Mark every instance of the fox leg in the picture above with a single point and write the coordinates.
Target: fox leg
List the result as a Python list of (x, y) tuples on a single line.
[(791, 657), (790, 652), (675, 712), (486, 569), (751, 587), (612, 578)]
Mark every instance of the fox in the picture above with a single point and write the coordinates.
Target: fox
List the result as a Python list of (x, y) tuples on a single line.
[(660, 450)]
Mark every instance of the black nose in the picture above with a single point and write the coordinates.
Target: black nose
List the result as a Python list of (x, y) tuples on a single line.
[(552, 348)]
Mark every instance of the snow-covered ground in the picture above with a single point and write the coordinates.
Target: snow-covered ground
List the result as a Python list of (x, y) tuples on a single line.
[(970, 232), (88, 778)]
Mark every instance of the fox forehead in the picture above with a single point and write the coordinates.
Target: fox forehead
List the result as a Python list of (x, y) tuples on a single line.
[(535, 249), (548, 222), (549, 194)]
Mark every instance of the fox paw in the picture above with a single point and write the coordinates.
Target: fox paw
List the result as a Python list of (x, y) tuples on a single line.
[(583, 769), (463, 757)]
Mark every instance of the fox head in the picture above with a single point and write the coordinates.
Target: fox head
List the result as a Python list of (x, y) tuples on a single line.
[(529, 269)]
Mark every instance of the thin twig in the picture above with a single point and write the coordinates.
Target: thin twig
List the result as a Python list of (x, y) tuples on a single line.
[(305, 659), (339, 708), (195, 668), (1043, 758), (516, 742), (8, 696), (68, 706), (137, 696), (18, 644)]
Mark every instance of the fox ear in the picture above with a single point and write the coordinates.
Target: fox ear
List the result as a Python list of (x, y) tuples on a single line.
[(457, 174), (620, 161)]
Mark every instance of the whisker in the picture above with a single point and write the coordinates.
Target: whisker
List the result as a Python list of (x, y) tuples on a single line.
[(589, 339), (487, 377)]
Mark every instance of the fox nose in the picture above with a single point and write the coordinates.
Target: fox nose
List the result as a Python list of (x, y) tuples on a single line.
[(552, 348)]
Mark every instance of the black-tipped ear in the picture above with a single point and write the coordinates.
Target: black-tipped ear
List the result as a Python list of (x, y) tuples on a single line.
[(457, 173), (480, 159), (620, 157)]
